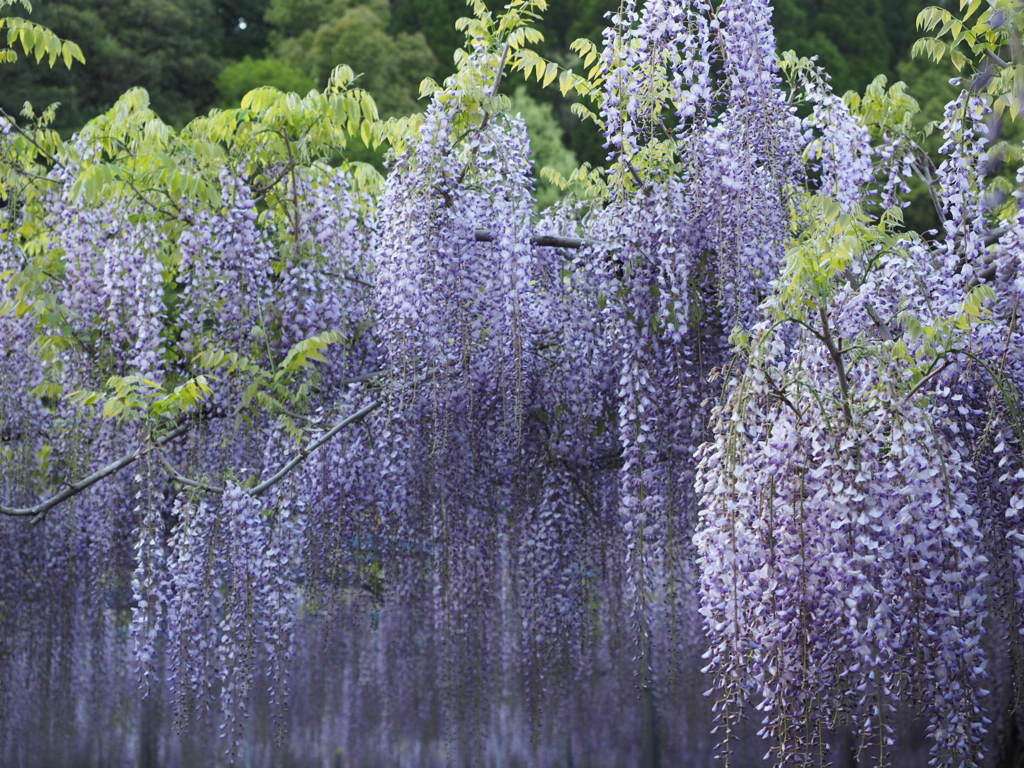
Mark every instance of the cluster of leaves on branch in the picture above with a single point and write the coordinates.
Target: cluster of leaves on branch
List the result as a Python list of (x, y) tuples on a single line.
[(35, 40), (712, 458)]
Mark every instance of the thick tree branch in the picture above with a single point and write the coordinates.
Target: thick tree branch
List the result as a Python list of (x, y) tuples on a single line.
[(549, 241), (326, 437), (283, 472), (996, 59), (39, 510)]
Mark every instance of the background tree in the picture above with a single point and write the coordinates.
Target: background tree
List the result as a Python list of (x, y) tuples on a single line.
[(246, 30), (240, 77), (177, 48), (316, 35), (853, 39), (170, 47)]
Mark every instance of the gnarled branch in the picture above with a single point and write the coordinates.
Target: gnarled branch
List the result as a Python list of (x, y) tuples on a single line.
[(326, 437), (548, 241), (38, 511)]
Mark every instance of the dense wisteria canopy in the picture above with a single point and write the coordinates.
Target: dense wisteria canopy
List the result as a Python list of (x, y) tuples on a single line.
[(713, 462)]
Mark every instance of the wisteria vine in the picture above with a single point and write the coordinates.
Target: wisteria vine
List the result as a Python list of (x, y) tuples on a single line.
[(711, 460)]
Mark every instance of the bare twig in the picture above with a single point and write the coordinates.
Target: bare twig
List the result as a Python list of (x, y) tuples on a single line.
[(362, 377), (927, 378), (348, 278), (926, 171), (501, 68), (30, 138), (836, 354), (326, 437), (35, 176), (996, 59), (886, 331), (156, 208), (262, 191), (295, 188), (174, 473)]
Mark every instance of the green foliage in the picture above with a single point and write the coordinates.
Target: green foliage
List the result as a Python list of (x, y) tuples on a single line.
[(133, 398), (240, 77), (279, 390), (493, 45), (826, 243), (432, 19), (137, 398), (549, 151), (974, 37), (144, 161), (314, 36), (168, 47), (885, 110), (36, 41)]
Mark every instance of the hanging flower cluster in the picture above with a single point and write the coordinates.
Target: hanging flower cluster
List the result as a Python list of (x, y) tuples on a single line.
[(305, 462)]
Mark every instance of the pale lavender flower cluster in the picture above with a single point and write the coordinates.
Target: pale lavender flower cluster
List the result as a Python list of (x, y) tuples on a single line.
[(564, 482), (224, 275), (960, 176), (665, 40), (835, 564), (839, 148), (851, 525), (113, 283)]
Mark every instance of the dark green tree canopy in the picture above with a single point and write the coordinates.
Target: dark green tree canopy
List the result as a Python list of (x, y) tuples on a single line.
[(172, 48), (191, 54), (240, 77), (314, 36)]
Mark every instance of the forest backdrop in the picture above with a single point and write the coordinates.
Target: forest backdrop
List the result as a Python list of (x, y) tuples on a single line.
[(191, 55)]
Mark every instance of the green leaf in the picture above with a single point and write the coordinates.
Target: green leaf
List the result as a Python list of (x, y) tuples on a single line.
[(113, 408)]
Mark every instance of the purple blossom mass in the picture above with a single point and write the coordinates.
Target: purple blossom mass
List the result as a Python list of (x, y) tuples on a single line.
[(713, 462)]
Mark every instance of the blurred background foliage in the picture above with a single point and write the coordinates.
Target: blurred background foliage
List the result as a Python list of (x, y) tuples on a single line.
[(191, 55)]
